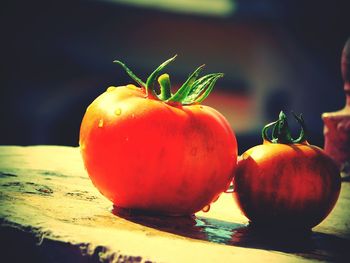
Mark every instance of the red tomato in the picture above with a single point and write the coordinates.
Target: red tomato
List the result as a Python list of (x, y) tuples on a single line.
[(286, 182), (157, 155)]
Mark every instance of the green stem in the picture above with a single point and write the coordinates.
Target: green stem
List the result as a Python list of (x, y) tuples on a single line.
[(164, 83), (281, 132)]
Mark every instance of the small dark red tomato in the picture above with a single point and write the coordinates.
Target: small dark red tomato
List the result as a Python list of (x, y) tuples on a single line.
[(284, 182)]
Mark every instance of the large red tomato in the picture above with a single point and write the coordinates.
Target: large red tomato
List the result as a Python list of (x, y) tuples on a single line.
[(159, 153), (286, 182)]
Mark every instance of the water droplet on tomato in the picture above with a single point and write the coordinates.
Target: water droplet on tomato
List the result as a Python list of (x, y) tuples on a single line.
[(131, 86), (118, 111), (109, 89), (100, 123), (206, 208), (215, 199)]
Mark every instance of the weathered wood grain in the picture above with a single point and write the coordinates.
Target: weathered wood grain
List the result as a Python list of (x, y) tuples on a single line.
[(51, 212)]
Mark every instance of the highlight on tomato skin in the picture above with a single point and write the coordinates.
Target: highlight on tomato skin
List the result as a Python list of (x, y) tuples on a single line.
[(286, 182), (160, 153)]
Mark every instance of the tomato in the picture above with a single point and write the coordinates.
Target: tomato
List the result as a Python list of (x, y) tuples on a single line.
[(286, 182), (164, 154)]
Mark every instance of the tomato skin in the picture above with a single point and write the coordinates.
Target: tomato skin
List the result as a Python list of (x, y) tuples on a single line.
[(287, 185), (142, 153)]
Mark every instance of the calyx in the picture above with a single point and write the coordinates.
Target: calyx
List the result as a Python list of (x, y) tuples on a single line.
[(281, 132), (194, 90)]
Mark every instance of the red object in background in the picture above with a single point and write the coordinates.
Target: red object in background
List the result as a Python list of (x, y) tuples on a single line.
[(337, 124), (286, 183)]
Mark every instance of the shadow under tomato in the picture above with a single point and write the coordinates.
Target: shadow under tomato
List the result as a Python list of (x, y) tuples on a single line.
[(307, 244), (207, 229)]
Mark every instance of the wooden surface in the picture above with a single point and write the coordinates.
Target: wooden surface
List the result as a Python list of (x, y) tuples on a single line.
[(51, 212)]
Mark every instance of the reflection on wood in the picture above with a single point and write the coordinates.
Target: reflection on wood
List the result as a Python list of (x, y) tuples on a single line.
[(313, 245)]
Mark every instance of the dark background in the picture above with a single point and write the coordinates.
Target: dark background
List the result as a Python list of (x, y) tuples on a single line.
[(57, 57)]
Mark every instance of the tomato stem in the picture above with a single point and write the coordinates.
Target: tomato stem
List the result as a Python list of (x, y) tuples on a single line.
[(164, 83), (281, 132), (192, 91)]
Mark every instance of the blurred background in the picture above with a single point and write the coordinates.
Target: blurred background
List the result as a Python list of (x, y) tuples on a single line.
[(276, 55)]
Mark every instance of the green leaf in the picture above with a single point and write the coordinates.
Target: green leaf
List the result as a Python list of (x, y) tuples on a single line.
[(151, 79), (303, 134), (198, 86), (130, 73), (201, 88), (184, 90), (264, 132), (206, 93)]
